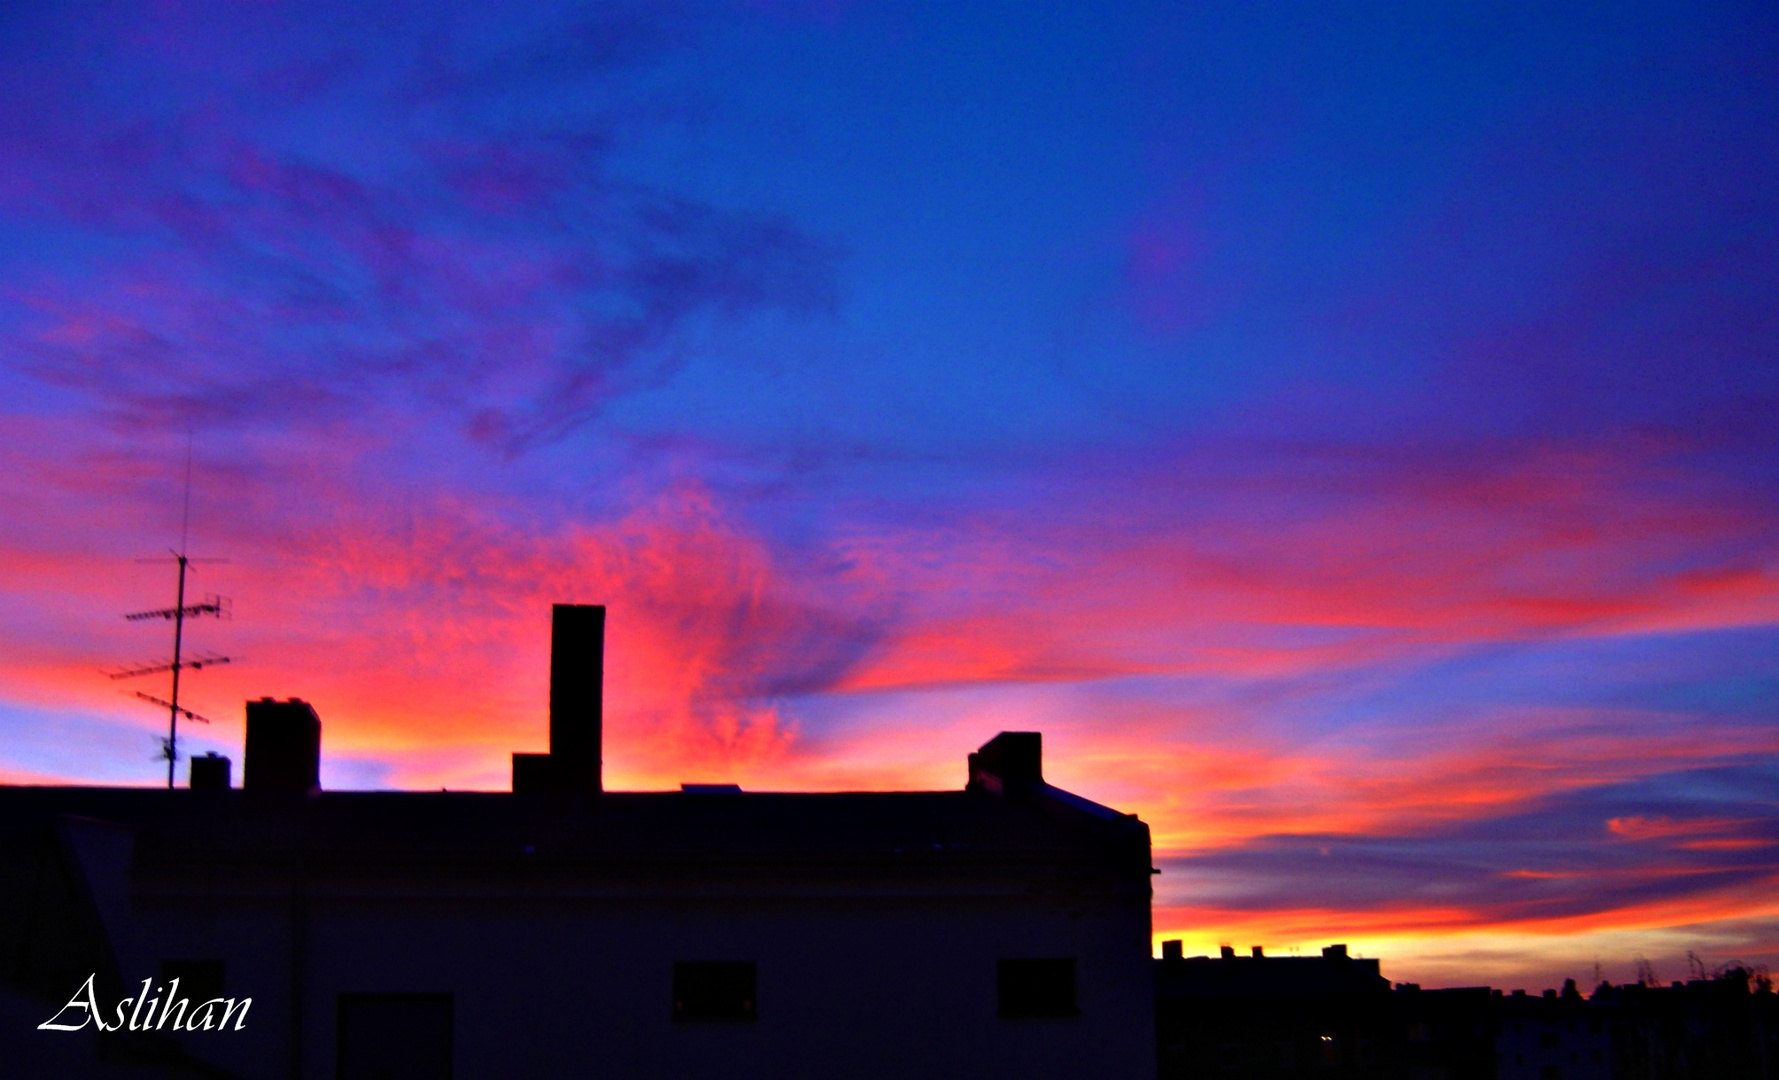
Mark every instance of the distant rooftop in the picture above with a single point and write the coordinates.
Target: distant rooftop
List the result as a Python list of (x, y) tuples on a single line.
[(1259, 975)]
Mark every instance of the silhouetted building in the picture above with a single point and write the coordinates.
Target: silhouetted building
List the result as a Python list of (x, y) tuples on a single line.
[(1551, 1037), (1725, 1026), (1255, 1017), (1698, 1030), (568, 931), (1446, 1034), (1271, 1016)]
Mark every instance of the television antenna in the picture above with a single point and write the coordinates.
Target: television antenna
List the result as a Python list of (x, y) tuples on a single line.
[(217, 606)]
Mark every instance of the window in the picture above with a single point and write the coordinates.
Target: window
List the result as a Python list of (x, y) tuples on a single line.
[(1036, 989), (707, 990), (391, 1036), (199, 980)]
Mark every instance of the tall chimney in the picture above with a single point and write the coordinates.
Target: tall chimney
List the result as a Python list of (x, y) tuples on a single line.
[(577, 687)]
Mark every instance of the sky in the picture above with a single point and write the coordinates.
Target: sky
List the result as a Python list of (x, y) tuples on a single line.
[(1348, 432)]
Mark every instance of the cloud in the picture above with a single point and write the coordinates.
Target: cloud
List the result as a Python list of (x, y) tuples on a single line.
[(1248, 559), (421, 255), (1658, 849)]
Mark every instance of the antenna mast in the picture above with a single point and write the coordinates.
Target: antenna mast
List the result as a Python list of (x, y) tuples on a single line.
[(177, 614)]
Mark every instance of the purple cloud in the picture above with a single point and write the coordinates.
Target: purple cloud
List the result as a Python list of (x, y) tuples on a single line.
[(248, 257)]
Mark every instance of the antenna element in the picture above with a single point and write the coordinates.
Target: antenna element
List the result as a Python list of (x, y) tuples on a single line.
[(217, 606)]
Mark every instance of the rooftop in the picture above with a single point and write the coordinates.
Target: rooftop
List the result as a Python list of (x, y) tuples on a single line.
[(495, 833)]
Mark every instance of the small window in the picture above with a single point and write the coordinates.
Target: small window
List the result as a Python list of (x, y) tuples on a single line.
[(710, 990), (199, 980), (1036, 989), (390, 1036)]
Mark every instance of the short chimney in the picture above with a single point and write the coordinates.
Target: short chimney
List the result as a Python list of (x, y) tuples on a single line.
[(210, 772), (1334, 952), (532, 775), (1011, 761), (1227, 952), (1259, 953), (283, 747), (1172, 950)]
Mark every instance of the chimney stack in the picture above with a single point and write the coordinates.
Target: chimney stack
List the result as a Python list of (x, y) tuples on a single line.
[(1011, 762), (283, 747), (577, 688)]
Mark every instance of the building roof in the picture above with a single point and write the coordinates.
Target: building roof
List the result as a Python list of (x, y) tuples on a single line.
[(1334, 972), (202, 833)]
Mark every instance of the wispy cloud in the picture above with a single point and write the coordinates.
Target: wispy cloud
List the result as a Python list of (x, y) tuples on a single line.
[(412, 245)]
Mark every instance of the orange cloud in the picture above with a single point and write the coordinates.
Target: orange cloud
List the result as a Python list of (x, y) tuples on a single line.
[(1639, 827), (1182, 669)]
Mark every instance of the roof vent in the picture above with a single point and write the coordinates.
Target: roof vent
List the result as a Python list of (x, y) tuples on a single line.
[(710, 789)]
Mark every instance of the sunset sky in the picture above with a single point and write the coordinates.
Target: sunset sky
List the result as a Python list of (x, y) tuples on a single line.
[(1349, 433)]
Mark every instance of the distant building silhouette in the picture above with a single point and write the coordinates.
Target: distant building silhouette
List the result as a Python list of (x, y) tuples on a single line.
[(1724, 1026), (1446, 1034), (1272, 1018), (562, 930), (1553, 1035), (1260, 1015)]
